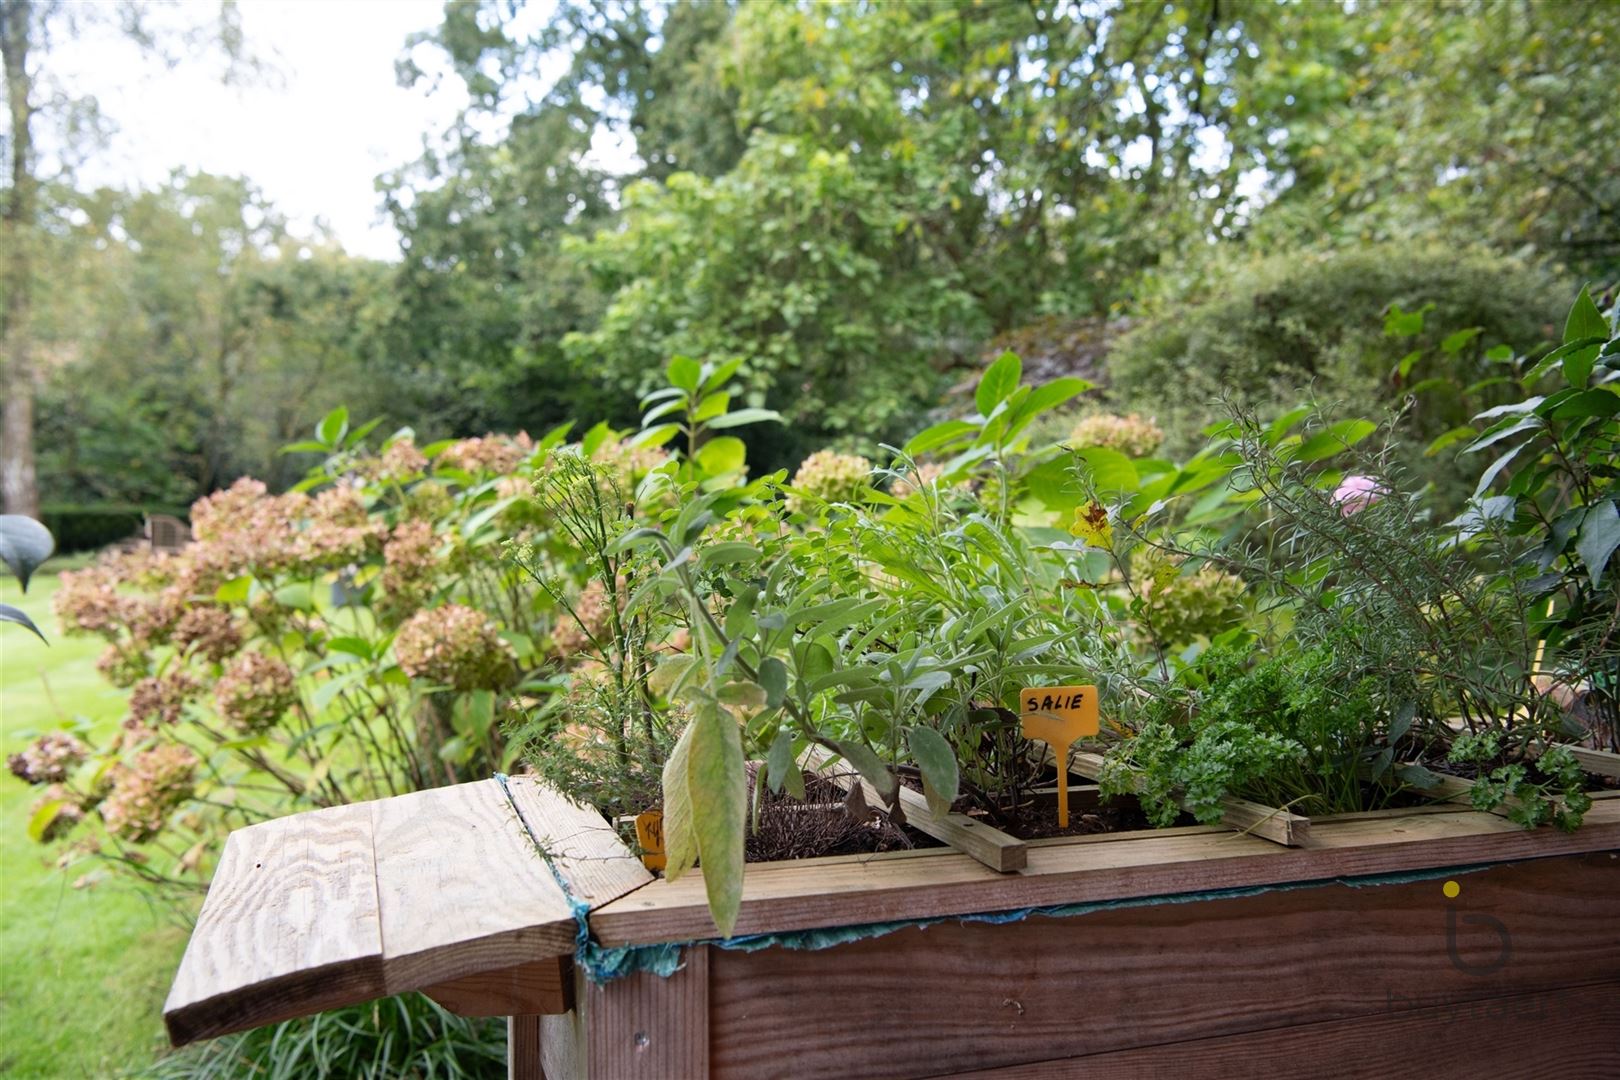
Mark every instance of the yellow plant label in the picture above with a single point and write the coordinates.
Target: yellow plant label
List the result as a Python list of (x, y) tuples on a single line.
[(650, 835), (1058, 715)]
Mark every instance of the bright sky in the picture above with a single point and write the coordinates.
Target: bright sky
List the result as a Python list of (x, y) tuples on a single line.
[(313, 136)]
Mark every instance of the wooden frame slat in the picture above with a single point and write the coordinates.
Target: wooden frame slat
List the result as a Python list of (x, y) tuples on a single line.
[(1118, 866), (292, 914), (972, 837)]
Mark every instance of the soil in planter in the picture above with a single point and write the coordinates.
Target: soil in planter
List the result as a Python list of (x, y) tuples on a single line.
[(790, 829)]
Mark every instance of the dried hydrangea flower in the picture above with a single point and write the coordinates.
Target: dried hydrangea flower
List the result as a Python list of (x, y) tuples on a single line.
[(161, 699), (490, 454), (88, 602), (209, 632), (400, 460), (409, 561), (1130, 435), (829, 476), (1178, 607), (68, 812), (456, 646), (122, 666), (48, 759), (573, 635), (255, 691), (147, 790)]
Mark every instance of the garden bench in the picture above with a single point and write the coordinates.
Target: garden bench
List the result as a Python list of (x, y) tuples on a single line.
[(1430, 941)]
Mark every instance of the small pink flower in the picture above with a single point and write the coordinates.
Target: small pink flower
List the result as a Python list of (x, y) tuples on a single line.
[(1356, 493)]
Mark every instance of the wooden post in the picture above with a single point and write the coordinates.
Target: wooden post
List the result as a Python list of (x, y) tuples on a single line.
[(523, 1048), (644, 1027)]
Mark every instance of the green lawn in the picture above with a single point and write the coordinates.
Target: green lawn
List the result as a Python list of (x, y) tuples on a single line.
[(83, 972)]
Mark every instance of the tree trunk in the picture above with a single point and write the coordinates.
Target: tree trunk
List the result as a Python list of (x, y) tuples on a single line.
[(17, 228)]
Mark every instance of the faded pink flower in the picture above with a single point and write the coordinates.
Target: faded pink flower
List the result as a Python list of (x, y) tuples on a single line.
[(492, 453), (48, 759), (1356, 493), (210, 632), (454, 645), (146, 791), (255, 691), (160, 700)]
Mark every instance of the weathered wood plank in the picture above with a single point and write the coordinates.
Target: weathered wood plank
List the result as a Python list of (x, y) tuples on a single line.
[(461, 887), (1568, 1032), (972, 837), (578, 843), (290, 927), (644, 1027), (540, 986), (562, 1039), (523, 1058), (786, 896), (1002, 995)]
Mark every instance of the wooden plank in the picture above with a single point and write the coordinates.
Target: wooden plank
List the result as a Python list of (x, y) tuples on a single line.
[(933, 884), (1043, 988), (972, 837), (643, 1027), (1271, 823), (523, 1049), (562, 1038), (290, 927), (1568, 1032), (1601, 762), (538, 987), (578, 842), (461, 887)]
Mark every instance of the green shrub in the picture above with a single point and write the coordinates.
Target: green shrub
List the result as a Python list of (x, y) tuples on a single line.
[(1318, 321), (404, 1036)]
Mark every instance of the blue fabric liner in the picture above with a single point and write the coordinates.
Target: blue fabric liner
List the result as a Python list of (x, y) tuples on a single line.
[(603, 964)]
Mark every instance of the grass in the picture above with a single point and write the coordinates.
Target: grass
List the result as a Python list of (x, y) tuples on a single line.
[(83, 972)]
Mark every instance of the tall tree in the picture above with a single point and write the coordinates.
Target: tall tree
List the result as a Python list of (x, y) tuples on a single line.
[(28, 31), (19, 20)]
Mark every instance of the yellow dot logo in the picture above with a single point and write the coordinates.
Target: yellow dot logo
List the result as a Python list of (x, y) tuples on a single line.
[(1451, 889)]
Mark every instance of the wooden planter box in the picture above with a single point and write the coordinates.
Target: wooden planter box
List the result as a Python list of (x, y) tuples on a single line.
[(1190, 952)]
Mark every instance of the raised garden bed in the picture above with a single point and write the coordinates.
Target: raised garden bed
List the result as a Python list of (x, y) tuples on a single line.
[(1431, 940)]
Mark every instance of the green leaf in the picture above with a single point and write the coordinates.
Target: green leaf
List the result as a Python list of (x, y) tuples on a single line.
[(712, 406), (717, 457), (773, 676), (298, 596), (1109, 470), (1600, 535), (685, 373), (728, 552), (744, 699), (938, 435), (1285, 423), (779, 762), (718, 788), (937, 761), (1052, 394), (354, 646), (721, 375), (745, 416), (307, 446), (333, 426), (1595, 402), (998, 382), (870, 766), (1584, 321), (667, 677), (234, 591), (40, 821), (1336, 439), (24, 544), (14, 615), (1453, 344), (1455, 435), (680, 842)]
